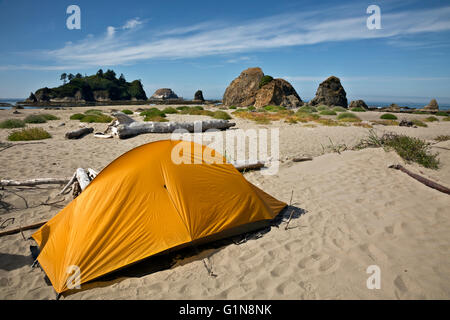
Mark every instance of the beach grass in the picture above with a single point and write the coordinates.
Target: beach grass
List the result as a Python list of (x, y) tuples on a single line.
[(419, 123), (358, 109), (328, 112), (339, 109), (155, 118), (442, 138), (274, 108), (385, 122), (307, 109), (409, 148), (446, 119), (12, 123), (126, 111), (348, 117), (442, 114), (35, 118), (431, 119), (29, 134), (388, 116), (322, 107)]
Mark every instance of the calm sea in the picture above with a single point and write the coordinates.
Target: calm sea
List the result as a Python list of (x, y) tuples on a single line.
[(369, 103)]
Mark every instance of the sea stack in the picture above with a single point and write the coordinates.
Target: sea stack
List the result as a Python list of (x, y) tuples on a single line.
[(432, 105), (164, 93), (358, 104), (199, 95), (249, 90), (330, 93)]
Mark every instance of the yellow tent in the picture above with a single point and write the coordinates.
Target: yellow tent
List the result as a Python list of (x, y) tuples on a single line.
[(143, 204)]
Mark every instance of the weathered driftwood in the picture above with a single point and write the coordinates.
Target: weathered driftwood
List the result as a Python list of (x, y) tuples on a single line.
[(33, 182), (82, 178), (20, 229), (102, 135), (300, 159), (246, 165), (136, 128), (421, 179), (77, 134)]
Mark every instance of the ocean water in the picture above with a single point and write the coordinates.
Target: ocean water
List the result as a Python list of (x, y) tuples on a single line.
[(378, 104)]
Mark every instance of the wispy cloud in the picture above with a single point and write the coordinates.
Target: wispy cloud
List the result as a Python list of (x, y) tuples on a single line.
[(121, 45)]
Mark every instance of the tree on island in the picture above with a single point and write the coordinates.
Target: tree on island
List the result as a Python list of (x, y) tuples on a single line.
[(78, 76), (122, 79), (64, 77), (110, 75), (100, 73), (70, 77)]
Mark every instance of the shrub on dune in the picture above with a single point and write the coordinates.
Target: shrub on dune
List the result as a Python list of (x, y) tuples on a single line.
[(322, 108), (97, 118), (35, 118), (388, 116), (339, 109), (328, 113), (441, 113), (419, 123), (221, 115), (77, 116), (12, 123), (126, 111), (431, 119), (446, 119), (155, 118), (49, 117), (170, 110), (29, 134), (358, 109), (308, 109), (348, 117)]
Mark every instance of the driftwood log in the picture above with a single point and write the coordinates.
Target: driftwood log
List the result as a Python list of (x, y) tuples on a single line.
[(421, 179), (126, 127), (241, 166), (20, 229), (33, 182), (80, 133)]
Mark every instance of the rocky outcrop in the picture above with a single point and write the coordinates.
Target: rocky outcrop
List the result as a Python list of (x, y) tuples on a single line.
[(43, 94), (393, 107), (432, 105), (164, 93), (248, 90), (32, 98), (277, 92), (358, 104), (330, 93), (199, 95), (242, 91)]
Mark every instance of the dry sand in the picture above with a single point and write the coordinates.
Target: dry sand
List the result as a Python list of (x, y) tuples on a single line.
[(356, 213)]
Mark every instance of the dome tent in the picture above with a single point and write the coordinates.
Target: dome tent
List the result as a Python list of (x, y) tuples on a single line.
[(143, 204)]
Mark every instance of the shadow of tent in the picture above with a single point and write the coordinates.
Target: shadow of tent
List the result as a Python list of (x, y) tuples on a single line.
[(9, 262), (180, 257)]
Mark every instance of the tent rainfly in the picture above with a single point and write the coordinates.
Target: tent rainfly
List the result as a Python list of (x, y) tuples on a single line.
[(142, 204)]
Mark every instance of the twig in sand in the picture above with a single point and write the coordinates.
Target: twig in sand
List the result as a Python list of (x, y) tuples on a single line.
[(289, 220), (9, 145)]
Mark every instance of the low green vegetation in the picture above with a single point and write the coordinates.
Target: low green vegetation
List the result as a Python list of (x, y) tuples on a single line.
[(409, 148), (358, 109), (441, 113), (265, 80), (388, 116), (155, 118), (91, 116), (419, 123), (328, 112), (12, 123), (442, 138), (222, 115), (170, 110), (322, 108), (446, 119), (126, 111), (420, 112), (233, 107), (153, 112), (339, 109), (35, 118), (251, 108), (274, 108), (348, 117), (431, 119), (386, 122), (308, 109), (29, 134)]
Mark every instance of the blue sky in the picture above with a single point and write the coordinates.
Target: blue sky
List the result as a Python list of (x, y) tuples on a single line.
[(190, 45)]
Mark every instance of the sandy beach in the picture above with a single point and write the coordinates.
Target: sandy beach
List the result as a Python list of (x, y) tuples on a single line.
[(356, 212)]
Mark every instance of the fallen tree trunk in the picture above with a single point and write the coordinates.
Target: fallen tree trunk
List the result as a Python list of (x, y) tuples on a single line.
[(77, 134), (421, 179), (301, 159), (135, 128), (33, 182)]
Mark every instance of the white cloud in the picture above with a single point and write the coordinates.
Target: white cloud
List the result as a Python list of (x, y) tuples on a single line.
[(208, 38), (110, 31), (132, 23)]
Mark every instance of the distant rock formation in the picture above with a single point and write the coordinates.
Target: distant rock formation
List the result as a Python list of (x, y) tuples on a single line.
[(330, 93), (242, 90), (31, 98), (277, 92), (248, 90), (393, 107), (199, 95), (432, 105), (98, 87), (358, 104), (163, 94)]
